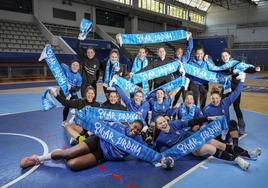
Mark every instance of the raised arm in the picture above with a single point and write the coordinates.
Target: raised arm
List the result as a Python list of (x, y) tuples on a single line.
[(75, 103), (232, 97), (190, 46), (123, 96), (79, 51)]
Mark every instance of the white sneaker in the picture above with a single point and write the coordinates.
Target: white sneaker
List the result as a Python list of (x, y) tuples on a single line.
[(63, 123), (243, 164), (73, 141), (255, 153), (52, 91)]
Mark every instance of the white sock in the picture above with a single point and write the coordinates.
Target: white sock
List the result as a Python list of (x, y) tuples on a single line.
[(45, 157)]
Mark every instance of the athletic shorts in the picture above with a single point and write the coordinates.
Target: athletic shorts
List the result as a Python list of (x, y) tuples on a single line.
[(93, 143)]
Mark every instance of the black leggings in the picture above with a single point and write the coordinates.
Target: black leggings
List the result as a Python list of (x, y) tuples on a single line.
[(178, 95), (66, 109), (232, 124)]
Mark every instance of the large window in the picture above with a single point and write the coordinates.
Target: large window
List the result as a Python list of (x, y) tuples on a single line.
[(104, 17), (127, 2), (200, 4), (24, 6), (64, 14), (197, 18), (176, 12), (152, 5)]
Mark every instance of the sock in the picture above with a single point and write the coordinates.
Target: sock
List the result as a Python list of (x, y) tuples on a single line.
[(241, 152), (45, 157), (224, 155), (235, 141)]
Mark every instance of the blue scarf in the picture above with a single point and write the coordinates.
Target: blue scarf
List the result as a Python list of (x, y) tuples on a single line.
[(241, 67), (129, 145), (85, 27), (56, 69), (145, 87), (186, 116), (209, 76), (198, 139), (236, 65), (155, 72), (157, 37), (125, 84), (87, 114), (47, 103), (109, 75), (123, 142), (174, 84), (138, 64)]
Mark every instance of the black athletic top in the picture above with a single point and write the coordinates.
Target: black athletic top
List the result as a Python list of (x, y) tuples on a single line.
[(76, 103), (116, 106), (89, 67), (164, 79)]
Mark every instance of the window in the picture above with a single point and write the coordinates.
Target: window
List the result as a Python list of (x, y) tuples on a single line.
[(152, 5), (176, 12), (87, 16), (197, 18), (195, 3), (127, 2), (109, 18), (204, 6), (64, 14), (24, 6), (200, 4)]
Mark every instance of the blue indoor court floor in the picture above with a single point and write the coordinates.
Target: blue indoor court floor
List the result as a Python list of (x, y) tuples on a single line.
[(25, 130)]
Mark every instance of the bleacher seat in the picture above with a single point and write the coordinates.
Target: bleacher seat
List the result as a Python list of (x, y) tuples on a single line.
[(67, 31), (22, 37)]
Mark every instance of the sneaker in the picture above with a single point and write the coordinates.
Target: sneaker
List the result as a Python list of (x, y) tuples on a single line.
[(63, 123), (73, 141), (29, 161), (255, 153), (242, 126), (244, 165), (52, 91)]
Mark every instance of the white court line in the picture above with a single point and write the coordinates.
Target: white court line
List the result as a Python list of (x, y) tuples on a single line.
[(45, 148), (204, 167), (5, 114), (187, 173), (201, 164)]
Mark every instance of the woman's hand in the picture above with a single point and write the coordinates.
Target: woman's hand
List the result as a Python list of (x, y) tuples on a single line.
[(257, 69)]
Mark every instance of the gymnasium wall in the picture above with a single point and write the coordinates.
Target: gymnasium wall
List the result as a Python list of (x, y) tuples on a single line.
[(44, 11), (221, 21), (21, 17)]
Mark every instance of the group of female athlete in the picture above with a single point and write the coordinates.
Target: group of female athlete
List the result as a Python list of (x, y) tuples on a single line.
[(168, 121)]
